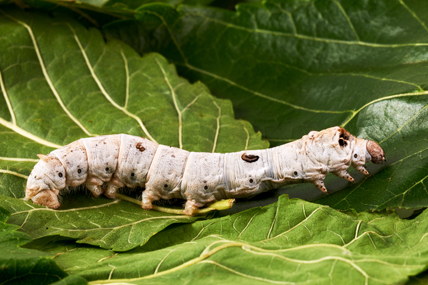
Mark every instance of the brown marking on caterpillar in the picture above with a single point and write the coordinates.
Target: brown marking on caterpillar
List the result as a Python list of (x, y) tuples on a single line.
[(249, 158), (140, 147), (343, 137)]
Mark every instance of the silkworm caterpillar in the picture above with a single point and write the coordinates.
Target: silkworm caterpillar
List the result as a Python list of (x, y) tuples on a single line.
[(106, 163)]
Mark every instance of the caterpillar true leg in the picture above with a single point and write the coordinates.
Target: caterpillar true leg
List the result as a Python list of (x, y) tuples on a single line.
[(320, 185), (199, 178)]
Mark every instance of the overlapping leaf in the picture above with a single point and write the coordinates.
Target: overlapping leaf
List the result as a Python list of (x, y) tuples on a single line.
[(60, 82), (109, 224), (290, 241), (23, 266), (295, 66)]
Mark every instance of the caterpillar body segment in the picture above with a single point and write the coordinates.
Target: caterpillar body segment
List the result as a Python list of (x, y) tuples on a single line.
[(165, 175), (107, 163), (134, 160)]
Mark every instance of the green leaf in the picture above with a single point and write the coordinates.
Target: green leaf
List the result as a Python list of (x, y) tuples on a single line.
[(72, 280), (115, 8), (132, 4), (289, 241), (114, 224), (61, 82), (23, 266), (96, 13), (290, 67)]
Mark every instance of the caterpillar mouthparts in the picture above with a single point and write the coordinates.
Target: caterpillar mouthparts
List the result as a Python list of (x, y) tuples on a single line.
[(376, 152), (106, 163)]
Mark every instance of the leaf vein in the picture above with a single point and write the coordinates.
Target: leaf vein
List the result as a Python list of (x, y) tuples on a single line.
[(45, 72), (103, 91), (6, 98), (174, 99)]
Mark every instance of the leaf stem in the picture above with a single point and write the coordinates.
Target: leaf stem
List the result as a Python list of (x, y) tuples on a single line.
[(219, 205)]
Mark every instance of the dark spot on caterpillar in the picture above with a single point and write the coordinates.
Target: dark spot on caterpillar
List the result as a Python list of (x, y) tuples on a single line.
[(107, 168), (71, 150), (343, 137), (249, 158), (165, 186), (60, 174), (204, 181), (132, 174), (344, 134), (251, 180), (205, 187), (79, 170), (104, 142), (172, 155), (295, 172), (355, 155), (140, 147)]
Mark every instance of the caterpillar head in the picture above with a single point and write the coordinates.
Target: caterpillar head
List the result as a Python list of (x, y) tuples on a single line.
[(376, 152), (44, 182), (365, 151)]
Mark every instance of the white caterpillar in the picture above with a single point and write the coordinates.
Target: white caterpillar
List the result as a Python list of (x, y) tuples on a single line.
[(199, 178)]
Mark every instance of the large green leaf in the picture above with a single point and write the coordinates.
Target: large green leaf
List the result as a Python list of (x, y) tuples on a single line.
[(294, 66), (71, 280), (109, 224), (61, 82), (23, 266), (289, 241)]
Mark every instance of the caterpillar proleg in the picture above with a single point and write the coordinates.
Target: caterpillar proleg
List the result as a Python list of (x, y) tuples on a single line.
[(106, 163)]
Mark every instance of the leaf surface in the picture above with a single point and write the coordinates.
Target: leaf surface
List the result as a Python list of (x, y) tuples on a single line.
[(61, 82), (290, 67), (289, 241), (20, 265)]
